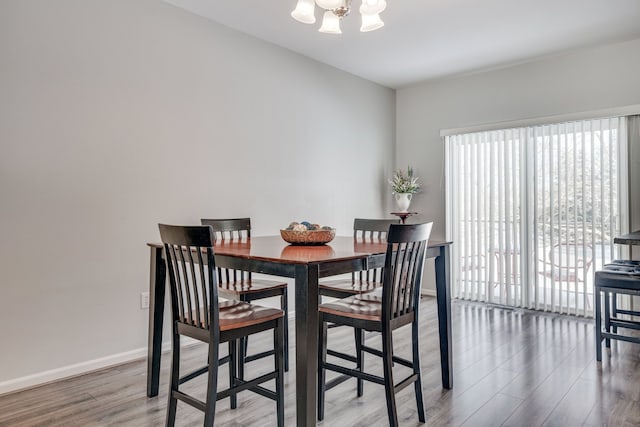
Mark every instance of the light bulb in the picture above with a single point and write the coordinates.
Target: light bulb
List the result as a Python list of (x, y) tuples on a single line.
[(305, 12), (330, 23), (371, 22)]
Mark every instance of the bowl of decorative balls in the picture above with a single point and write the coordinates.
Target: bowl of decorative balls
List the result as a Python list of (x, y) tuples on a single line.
[(305, 233)]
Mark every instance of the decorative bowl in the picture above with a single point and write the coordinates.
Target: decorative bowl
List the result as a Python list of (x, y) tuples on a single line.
[(308, 237)]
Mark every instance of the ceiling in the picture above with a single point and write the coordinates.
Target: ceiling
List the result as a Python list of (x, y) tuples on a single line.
[(427, 39)]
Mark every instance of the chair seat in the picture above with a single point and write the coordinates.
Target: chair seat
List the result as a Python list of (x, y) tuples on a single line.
[(347, 286), (236, 314), (619, 276), (248, 286), (365, 306)]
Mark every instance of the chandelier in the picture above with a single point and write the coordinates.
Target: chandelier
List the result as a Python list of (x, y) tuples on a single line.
[(334, 10)]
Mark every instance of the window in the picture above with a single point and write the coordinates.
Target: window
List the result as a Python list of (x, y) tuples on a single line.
[(533, 211)]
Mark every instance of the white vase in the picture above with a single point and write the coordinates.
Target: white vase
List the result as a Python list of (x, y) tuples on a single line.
[(403, 200)]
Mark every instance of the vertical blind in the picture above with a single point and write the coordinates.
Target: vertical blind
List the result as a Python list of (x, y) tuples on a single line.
[(533, 211)]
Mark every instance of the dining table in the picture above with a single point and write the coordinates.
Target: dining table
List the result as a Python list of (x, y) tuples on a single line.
[(271, 255)]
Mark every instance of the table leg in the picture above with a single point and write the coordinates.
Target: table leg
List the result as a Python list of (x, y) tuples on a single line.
[(306, 343), (597, 302), (614, 310), (607, 317), (443, 291), (156, 312)]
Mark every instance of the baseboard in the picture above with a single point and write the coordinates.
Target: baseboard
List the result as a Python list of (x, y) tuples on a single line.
[(81, 368)]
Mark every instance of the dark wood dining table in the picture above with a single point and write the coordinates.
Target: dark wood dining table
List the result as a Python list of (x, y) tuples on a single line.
[(306, 265)]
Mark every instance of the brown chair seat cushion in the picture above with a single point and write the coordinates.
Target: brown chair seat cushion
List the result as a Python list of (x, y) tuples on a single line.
[(236, 314), (349, 287), (247, 286), (365, 306)]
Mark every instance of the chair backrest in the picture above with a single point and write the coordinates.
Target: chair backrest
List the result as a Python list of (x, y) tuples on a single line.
[(371, 230), (404, 263), (230, 229), (192, 279)]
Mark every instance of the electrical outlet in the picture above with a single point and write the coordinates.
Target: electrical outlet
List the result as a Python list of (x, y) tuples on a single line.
[(144, 300)]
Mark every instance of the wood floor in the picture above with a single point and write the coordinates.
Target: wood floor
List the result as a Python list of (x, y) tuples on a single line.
[(511, 368)]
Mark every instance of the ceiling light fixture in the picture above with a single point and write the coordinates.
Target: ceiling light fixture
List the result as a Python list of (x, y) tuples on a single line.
[(335, 10)]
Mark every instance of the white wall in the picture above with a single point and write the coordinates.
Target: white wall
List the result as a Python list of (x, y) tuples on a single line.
[(116, 115)]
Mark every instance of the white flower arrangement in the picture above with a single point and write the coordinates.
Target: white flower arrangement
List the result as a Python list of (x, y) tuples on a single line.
[(404, 183)]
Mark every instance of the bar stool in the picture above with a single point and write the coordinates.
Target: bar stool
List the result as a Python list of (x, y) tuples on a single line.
[(197, 313), (617, 277), (396, 306)]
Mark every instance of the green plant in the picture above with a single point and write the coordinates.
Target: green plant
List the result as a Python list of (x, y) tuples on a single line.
[(404, 182)]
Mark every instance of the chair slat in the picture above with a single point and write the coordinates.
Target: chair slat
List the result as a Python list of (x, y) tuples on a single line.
[(179, 281), (407, 301), (193, 288), (188, 271), (203, 287)]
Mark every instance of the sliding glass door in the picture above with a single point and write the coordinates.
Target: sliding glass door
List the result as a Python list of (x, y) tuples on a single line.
[(533, 211)]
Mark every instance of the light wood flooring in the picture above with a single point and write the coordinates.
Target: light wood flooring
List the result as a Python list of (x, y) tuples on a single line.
[(511, 368)]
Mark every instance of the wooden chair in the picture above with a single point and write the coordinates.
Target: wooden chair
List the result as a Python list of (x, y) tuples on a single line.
[(396, 307), (241, 286), (196, 313), (365, 230)]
